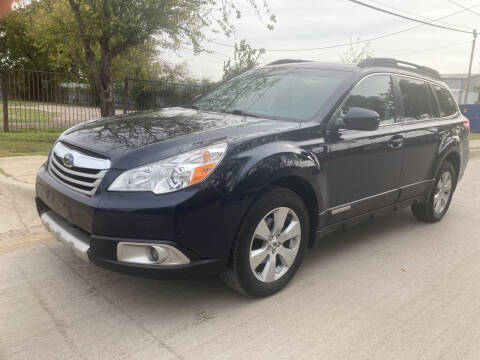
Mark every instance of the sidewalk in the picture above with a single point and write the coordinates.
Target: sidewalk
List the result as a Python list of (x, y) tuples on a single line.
[(20, 226), (21, 168)]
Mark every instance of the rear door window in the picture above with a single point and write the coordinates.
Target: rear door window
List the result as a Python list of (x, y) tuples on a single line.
[(448, 107), (374, 93), (414, 92), (433, 103)]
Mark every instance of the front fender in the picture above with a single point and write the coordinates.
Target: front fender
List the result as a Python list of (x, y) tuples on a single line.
[(253, 169)]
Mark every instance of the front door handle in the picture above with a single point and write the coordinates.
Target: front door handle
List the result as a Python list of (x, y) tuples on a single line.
[(396, 141)]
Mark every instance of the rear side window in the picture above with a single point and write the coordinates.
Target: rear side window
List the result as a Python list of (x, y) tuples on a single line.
[(433, 103), (416, 104), (374, 93), (448, 107)]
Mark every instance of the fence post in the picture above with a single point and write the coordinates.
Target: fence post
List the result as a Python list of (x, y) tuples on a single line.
[(5, 100), (125, 96)]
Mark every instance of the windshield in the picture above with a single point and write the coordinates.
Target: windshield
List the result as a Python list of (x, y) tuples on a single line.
[(277, 93)]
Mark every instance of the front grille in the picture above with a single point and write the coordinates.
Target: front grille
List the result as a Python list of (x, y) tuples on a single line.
[(83, 173)]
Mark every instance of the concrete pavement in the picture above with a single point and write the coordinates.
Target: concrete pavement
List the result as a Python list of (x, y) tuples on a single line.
[(20, 226), (393, 288)]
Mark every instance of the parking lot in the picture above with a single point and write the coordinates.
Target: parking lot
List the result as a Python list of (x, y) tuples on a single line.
[(392, 288)]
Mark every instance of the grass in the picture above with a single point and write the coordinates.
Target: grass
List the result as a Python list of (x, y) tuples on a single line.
[(17, 144), (27, 115), (475, 136)]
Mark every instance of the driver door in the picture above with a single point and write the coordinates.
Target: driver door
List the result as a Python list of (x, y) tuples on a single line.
[(363, 167)]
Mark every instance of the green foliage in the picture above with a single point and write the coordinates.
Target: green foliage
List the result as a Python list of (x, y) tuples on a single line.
[(107, 39), (244, 58), (17, 47)]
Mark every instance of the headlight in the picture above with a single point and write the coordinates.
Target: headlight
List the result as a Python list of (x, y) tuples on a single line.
[(171, 174)]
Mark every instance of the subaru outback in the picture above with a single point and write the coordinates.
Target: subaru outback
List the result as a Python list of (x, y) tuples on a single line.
[(245, 178)]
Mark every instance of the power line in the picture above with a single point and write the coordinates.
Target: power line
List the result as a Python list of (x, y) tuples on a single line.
[(332, 46), (432, 49), (409, 18), (210, 59), (463, 7), (412, 13), (367, 40)]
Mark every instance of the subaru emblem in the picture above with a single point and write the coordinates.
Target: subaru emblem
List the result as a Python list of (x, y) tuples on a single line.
[(68, 160)]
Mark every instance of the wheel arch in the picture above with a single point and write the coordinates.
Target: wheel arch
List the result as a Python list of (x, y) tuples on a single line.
[(305, 191), (454, 158), (284, 165)]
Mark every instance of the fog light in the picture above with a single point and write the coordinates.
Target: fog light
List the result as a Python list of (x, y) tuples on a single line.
[(154, 254), (151, 254), (159, 254)]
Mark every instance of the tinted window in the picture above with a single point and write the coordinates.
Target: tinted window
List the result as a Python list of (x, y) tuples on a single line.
[(434, 103), (448, 106), (415, 98), (374, 93), (283, 93)]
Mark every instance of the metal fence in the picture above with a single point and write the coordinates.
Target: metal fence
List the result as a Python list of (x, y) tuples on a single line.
[(48, 101), (146, 95)]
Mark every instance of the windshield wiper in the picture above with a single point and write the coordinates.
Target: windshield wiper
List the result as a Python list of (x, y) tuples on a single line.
[(241, 112)]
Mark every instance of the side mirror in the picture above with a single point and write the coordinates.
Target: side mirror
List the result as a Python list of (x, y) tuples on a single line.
[(360, 119)]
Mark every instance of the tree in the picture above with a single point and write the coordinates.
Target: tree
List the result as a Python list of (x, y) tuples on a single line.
[(357, 52), (244, 58), (17, 47), (108, 28), (5, 6)]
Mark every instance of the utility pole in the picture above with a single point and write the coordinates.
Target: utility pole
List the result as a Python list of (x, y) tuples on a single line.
[(467, 89)]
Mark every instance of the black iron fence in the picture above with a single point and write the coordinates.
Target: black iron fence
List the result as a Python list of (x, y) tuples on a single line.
[(48, 101), (146, 94)]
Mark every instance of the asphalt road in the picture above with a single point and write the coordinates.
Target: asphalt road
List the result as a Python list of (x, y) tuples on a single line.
[(392, 288)]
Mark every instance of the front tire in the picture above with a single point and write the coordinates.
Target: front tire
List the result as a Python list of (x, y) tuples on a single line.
[(270, 244), (440, 196)]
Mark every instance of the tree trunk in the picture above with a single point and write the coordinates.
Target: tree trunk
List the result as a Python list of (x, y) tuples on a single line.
[(107, 106), (105, 94), (104, 84)]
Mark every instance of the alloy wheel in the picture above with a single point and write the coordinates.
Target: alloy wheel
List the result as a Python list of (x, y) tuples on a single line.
[(275, 243), (443, 191)]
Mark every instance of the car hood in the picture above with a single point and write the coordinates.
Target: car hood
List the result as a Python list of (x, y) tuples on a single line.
[(173, 129)]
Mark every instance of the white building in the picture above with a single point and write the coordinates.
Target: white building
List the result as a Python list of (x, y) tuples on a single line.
[(458, 84)]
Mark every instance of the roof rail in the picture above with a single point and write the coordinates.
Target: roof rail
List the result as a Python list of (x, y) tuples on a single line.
[(387, 62), (287, 61)]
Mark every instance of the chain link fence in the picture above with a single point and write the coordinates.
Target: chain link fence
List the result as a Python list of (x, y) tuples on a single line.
[(49, 101)]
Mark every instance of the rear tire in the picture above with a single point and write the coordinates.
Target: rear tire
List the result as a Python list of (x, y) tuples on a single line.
[(270, 244), (440, 197)]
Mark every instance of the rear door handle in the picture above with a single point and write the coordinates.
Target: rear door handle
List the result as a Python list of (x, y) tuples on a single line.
[(396, 141)]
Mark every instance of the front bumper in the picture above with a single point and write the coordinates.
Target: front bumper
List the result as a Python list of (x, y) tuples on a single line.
[(199, 223), (80, 241), (75, 238)]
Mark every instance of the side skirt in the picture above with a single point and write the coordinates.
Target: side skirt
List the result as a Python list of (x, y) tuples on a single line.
[(326, 230)]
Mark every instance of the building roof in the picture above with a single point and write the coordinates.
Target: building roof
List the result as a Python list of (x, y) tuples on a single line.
[(457, 76)]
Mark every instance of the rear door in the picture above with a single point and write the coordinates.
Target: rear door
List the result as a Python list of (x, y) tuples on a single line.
[(363, 168), (421, 119)]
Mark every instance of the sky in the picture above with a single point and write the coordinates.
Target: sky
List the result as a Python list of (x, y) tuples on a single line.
[(319, 23)]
